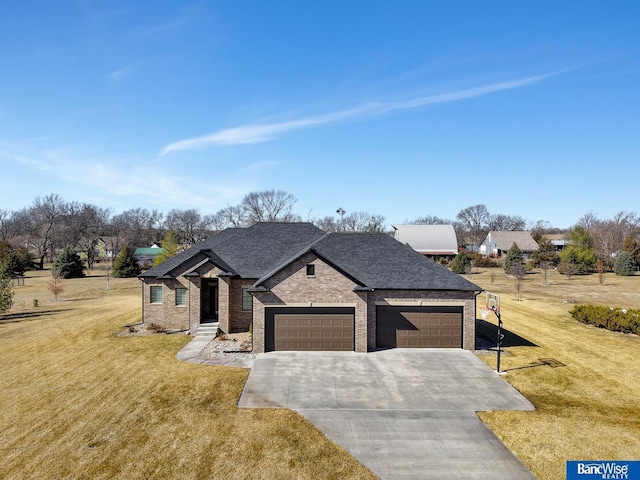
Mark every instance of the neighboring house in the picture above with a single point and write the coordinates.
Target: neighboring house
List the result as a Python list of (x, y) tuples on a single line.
[(498, 243), (146, 256), (299, 288), (434, 241)]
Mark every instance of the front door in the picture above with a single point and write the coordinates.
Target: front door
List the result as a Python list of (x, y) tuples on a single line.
[(213, 302)]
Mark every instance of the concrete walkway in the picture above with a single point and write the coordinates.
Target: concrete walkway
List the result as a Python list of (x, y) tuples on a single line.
[(191, 353), (404, 413)]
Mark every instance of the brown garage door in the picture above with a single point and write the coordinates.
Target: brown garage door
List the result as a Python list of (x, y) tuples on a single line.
[(320, 329), (418, 327)]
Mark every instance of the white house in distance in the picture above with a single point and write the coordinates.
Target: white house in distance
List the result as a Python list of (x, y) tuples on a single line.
[(498, 243), (434, 241)]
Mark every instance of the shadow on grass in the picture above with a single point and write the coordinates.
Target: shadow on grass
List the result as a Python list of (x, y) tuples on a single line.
[(26, 316), (488, 332)]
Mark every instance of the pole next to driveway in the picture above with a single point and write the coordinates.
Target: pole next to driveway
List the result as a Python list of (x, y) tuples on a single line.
[(493, 304)]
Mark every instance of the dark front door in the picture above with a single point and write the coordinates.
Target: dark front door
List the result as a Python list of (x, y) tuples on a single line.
[(213, 302), (209, 301)]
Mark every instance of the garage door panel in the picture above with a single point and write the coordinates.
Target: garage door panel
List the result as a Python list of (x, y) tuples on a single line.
[(320, 329), (419, 327)]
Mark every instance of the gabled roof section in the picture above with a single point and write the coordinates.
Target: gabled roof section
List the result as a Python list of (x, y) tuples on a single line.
[(377, 261), (505, 239), (247, 252), (167, 266), (263, 246), (428, 239)]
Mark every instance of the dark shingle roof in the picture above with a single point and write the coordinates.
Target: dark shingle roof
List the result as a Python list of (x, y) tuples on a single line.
[(381, 262), (247, 252), (168, 265), (377, 261), (372, 260), (263, 246)]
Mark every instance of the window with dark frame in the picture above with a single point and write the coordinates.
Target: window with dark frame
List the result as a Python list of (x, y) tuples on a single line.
[(155, 294), (247, 300), (181, 297), (311, 270)]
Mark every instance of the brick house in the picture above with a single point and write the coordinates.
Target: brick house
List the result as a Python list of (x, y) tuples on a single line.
[(298, 288)]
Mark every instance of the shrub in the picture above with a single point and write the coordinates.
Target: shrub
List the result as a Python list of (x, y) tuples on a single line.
[(486, 262), (6, 292), (614, 319), (154, 327), (460, 263)]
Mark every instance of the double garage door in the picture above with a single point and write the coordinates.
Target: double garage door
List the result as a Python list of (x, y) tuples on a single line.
[(318, 328), (418, 327)]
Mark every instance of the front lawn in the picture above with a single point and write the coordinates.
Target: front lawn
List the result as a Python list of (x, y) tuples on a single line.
[(79, 402)]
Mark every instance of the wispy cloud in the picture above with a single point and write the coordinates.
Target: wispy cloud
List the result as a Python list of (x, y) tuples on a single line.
[(115, 180), (256, 133)]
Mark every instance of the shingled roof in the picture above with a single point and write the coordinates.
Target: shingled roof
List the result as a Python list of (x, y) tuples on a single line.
[(246, 252), (377, 261), (504, 240), (373, 261)]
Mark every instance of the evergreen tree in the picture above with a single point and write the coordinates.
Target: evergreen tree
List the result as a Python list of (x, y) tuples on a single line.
[(624, 265), (460, 263), (6, 290), (581, 251), (546, 252), (170, 245), (126, 265), (68, 264), (514, 260), (632, 247)]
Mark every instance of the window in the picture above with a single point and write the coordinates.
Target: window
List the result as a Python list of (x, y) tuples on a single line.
[(247, 300), (181, 296), (311, 270), (156, 294)]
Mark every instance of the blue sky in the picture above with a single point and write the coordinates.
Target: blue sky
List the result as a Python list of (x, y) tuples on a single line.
[(403, 109)]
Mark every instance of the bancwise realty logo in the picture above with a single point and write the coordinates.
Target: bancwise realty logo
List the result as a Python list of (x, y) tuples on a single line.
[(603, 470)]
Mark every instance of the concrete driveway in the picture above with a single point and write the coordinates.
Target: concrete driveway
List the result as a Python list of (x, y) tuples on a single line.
[(404, 413)]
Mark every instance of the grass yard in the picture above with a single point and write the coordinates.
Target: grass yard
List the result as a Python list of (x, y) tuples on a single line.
[(78, 402), (588, 409)]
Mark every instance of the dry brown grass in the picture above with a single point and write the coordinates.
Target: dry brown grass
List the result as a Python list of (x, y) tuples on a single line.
[(78, 402), (588, 409)]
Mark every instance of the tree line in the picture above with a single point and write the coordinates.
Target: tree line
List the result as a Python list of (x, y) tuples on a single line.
[(50, 224)]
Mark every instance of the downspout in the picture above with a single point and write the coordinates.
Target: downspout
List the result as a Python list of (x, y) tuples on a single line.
[(142, 322)]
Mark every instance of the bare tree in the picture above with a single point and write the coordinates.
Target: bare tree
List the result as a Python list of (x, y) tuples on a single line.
[(269, 206), (568, 269), (588, 221), (609, 237), (363, 222), (186, 224), (42, 222), (518, 273), (142, 227), (475, 220), (506, 222), (545, 266), (94, 222), (327, 224), (430, 220), (232, 216)]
